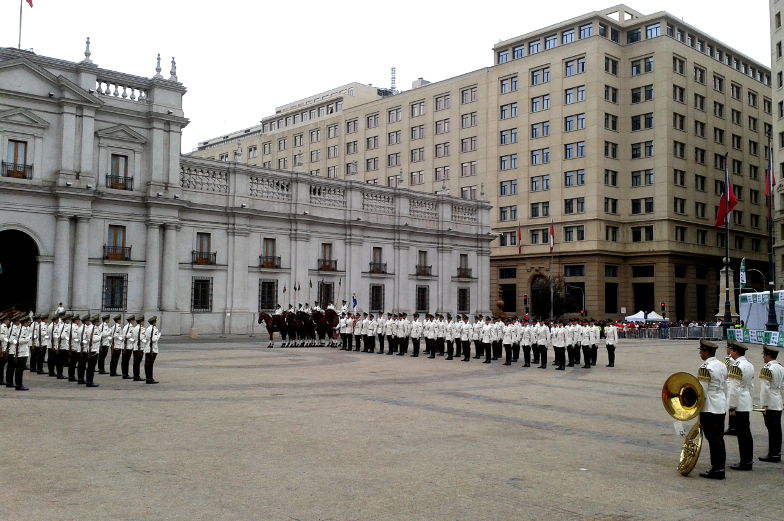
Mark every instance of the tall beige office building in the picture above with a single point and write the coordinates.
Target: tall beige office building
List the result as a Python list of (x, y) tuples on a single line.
[(777, 71), (612, 127)]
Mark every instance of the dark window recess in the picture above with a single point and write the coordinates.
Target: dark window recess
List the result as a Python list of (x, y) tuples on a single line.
[(642, 271)]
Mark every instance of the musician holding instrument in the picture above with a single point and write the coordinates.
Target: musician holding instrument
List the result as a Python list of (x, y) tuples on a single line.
[(740, 381), (712, 375), (771, 388)]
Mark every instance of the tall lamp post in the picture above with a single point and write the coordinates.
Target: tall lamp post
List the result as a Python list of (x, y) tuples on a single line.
[(582, 291), (726, 321), (772, 324)]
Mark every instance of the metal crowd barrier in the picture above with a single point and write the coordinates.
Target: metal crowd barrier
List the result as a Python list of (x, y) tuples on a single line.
[(673, 333)]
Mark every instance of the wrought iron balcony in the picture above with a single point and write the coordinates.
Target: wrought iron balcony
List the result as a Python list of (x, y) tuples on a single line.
[(424, 271), (267, 261), (378, 267), (204, 257), (117, 253), (118, 182), (463, 273), (327, 265), (17, 171)]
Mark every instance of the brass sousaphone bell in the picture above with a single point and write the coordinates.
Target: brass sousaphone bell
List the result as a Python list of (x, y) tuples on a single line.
[(683, 398)]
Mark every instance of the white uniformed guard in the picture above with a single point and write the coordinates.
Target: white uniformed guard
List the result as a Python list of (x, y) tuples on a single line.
[(611, 340), (771, 389), (152, 334), (712, 375), (740, 381)]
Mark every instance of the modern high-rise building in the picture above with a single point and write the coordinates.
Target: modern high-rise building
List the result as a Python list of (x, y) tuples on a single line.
[(612, 128)]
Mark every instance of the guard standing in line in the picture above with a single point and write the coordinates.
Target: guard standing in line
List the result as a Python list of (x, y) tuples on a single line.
[(118, 343), (740, 381), (13, 337), (44, 339), (64, 345), (611, 339), (54, 336), (370, 334), (22, 351), (403, 330), (94, 348), (380, 330), (106, 331), (730, 417), (138, 349), (466, 331), (77, 329), (5, 330), (417, 330), (476, 335), (153, 334), (712, 375), (34, 327), (429, 331), (488, 335), (771, 386), (129, 339), (585, 343), (84, 348)]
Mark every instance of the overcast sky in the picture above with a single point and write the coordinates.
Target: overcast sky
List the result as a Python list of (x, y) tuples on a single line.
[(240, 59)]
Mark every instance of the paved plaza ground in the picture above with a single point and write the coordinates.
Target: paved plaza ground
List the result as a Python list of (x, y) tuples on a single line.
[(236, 431)]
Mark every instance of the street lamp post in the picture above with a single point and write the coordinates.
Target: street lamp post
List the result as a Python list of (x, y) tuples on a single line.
[(582, 291), (772, 324)]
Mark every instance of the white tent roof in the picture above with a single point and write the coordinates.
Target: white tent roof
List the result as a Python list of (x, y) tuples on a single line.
[(655, 317), (637, 317)]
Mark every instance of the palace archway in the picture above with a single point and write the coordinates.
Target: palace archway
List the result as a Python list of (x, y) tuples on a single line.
[(19, 275)]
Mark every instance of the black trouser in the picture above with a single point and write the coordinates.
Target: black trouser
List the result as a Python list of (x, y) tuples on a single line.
[(113, 361), (342, 341), (515, 352), (62, 362), (458, 347), (594, 353), (773, 424), (430, 347), (488, 349), (570, 354), (10, 369), (126, 360), (51, 362), (526, 355), (450, 349), (370, 341), (92, 359), (587, 356), (415, 341), (543, 355), (39, 366), (713, 428), (381, 343), (440, 344), (466, 349), (81, 367), (357, 339), (535, 349), (745, 440), (21, 362), (102, 359), (392, 340), (576, 354), (401, 344), (497, 346), (480, 349), (2, 367), (73, 360), (560, 356), (610, 354), (149, 361), (137, 364), (508, 352)]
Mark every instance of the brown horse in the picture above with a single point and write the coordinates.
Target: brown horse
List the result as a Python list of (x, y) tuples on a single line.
[(325, 323), (274, 323)]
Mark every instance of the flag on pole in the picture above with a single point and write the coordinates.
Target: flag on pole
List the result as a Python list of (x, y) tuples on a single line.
[(770, 182), (742, 274), (30, 2), (728, 202), (354, 301), (519, 239), (284, 288), (551, 236)]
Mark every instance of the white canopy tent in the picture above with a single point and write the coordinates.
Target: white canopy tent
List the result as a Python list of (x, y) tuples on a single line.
[(637, 317), (655, 317)]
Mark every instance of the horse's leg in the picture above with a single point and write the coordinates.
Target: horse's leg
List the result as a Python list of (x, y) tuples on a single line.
[(270, 330)]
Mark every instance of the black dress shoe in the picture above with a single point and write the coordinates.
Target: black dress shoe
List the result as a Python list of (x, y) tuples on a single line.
[(138, 379), (770, 459), (713, 474), (126, 377), (610, 365), (21, 388), (101, 372), (151, 381), (507, 363), (113, 374), (80, 382), (448, 358), (9, 385), (526, 365), (741, 466), (92, 385), (486, 362), (560, 369), (586, 366), (53, 375), (73, 380), (61, 377), (414, 356), (40, 372)]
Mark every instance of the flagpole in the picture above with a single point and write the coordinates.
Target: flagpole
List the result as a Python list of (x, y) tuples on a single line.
[(772, 323), (19, 44), (726, 322)]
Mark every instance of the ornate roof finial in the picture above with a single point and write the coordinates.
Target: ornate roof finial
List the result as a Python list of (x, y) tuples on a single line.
[(173, 71), (87, 52), (158, 68)]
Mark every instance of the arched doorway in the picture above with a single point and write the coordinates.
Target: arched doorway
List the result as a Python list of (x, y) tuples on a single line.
[(18, 271), (540, 297)]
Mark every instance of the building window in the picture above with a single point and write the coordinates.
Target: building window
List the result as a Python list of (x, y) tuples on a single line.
[(573, 122), (352, 126), (417, 132), (611, 233), (642, 205), (503, 56), (550, 42), (574, 150), (201, 294), (508, 136), (644, 149), (253, 152), (468, 169), (610, 178), (509, 111), (538, 130), (575, 66), (574, 205), (393, 159), (417, 155), (376, 298), (351, 147), (442, 149), (642, 233), (468, 192), (610, 66), (463, 300), (507, 239), (679, 205), (642, 177), (115, 292), (507, 187), (371, 164), (507, 213), (574, 177), (508, 162), (540, 156), (442, 103), (610, 205), (372, 121), (540, 182), (266, 148), (441, 173), (539, 76), (468, 95), (642, 121), (540, 210), (567, 37), (507, 85), (610, 270), (418, 178), (422, 299), (611, 150), (268, 294), (610, 94), (442, 126), (577, 270), (315, 156), (394, 115), (573, 95), (468, 120), (468, 144), (393, 138), (534, 47), (574, 233)]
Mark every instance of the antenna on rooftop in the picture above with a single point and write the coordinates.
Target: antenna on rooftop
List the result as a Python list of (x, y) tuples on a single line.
[(393, 79)]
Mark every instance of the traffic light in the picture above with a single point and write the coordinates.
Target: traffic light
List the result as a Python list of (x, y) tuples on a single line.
[(525, 300), (582, 312), (662, 307)]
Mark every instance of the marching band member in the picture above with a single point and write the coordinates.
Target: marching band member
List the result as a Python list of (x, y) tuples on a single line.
[(771, 387)]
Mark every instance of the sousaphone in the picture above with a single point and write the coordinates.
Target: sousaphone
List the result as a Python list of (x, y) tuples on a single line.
[(683, 398)]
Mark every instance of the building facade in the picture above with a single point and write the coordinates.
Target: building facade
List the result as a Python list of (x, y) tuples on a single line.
[(99, 211), (777, 136), (612, 127)]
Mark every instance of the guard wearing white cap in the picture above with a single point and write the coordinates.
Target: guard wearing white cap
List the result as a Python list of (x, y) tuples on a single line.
[(712, 375), (740, 381), (21, 350), (152, 334), (771, 387), (93, 350), (130, 332)]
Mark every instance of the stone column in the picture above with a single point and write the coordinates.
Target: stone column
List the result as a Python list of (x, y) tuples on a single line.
[(80, 268), (62, 262), (169, 286), (237, 290), (152, 268), (67, 159)]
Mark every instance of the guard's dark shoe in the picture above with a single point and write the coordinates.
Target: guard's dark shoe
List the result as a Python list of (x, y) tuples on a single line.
[(126, 377), (730, 432), (22, 388), (113, 374), (138, 379), (741, 466), (770, 459), (713, 474), (585, 366), (448, 358), (526, 365), (507, 363), (560, 369), (80, 382), (61, 377), (92, 385), (73, 380), (101, 372), (486, 362), (40, 372), (151, 381), (610, 365), (9, 385)]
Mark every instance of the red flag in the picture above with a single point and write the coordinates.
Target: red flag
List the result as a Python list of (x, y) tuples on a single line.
[(770, 182), (728, 202), (552, 237), (30, 2), (519, 240)]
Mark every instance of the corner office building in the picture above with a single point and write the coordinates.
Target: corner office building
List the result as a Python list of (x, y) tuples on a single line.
[(613, 126)]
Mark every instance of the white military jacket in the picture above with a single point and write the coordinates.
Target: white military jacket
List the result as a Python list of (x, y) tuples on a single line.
[(19, 341), (712, 375), (772, 385), (417, 329), (740, 381), (152, 334), (611, 334)]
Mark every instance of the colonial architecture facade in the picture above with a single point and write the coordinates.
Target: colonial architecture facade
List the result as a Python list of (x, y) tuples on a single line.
[(99, 212), (612, 127)]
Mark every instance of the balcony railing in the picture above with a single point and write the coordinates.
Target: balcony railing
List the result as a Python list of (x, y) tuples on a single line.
[(327, 265), (118, 182), (378, 267), (17, 171), (463, 273), (117, 253), (204, 257), (267, 261), (424, 271)]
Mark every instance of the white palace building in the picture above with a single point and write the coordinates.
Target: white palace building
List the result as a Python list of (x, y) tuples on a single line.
[(100, 211)]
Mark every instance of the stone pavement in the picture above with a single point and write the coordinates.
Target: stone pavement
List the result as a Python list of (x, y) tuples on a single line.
[(236, 431)]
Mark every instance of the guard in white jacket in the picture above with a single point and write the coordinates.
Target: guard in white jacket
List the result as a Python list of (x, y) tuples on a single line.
[(417, 332), (88, 328), (611, 340), (559, 346), (430, 336), (476, 335), (20, 344), (488, 334), (93, 350), (740, 382), (152, 334), (466, 331), (138, 349), (63, 339), (771, 387)]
